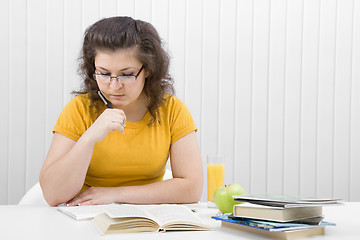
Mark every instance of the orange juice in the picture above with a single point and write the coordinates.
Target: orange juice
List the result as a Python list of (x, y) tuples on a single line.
[(215, 179)]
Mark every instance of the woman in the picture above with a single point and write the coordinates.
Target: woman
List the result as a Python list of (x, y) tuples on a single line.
[(117, 152)]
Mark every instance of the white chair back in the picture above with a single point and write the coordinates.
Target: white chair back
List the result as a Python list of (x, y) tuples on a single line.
[(34, 196)]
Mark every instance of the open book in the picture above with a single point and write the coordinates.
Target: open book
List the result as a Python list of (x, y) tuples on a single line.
[(86, 212), (152, 218)]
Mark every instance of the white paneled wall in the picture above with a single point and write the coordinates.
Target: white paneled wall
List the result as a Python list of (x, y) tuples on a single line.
[(273, 86)]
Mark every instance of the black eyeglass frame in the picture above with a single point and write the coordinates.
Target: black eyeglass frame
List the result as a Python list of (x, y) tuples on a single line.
[(118, 77)]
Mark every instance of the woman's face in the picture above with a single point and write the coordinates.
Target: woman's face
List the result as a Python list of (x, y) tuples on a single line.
[(126, 94)]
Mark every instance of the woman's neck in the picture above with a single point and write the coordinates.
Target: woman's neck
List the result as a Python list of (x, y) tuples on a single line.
[(136, 111)]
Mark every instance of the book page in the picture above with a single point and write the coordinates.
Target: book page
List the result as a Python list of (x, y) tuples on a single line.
[(123, 211), (85, 212), (166, 214)]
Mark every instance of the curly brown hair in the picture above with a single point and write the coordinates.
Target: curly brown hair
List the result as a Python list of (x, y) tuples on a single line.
[(123, 33)]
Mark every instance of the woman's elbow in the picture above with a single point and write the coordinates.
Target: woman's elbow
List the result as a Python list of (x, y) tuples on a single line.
[(194, 191), (52, 196), (48, 197)]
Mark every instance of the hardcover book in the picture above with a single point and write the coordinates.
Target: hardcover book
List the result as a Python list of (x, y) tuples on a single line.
[(285, 201), (280, 214), (286, 231)]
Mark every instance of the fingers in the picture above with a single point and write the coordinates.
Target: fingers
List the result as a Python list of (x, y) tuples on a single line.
[(87, 203), (118, 126), (82, 203), (84, 198), (93, 196), (117, 118), (110, 120), (76, 201)]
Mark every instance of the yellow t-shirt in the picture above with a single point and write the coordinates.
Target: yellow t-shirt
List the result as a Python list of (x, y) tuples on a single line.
[(136, 157)]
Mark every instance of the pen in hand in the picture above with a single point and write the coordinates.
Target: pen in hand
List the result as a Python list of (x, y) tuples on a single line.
[(107, 103)]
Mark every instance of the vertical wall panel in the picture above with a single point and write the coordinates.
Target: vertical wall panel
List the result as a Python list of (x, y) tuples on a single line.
[(36, 90), (17, 99), (4, 99), (354, 185), (177, 36), (193, 59), (272, 85), (309, 83), (73, 33), (160, 19), (54, 85), (126, 8), (107, 8), (210, 74), (292, 97), (143, 10), (90, 13), (193, 65), (227, 70), (342, 98), (260, 96), (275, 139), (242, 128), (325, 124)]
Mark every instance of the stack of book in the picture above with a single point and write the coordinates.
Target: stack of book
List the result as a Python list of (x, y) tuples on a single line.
[(278, 216)]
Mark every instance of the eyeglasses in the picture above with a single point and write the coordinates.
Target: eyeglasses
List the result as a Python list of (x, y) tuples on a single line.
[(105, 78)]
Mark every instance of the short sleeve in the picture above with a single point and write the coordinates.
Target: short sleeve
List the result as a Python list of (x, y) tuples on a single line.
[(181, 121), (71, 121)]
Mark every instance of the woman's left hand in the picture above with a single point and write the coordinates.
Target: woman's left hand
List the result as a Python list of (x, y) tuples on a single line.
[(94, 196)]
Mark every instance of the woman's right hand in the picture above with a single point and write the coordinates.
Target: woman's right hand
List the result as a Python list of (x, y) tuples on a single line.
[(110, 120)]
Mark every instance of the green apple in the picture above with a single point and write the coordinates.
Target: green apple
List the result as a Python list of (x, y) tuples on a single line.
[(223, 197)]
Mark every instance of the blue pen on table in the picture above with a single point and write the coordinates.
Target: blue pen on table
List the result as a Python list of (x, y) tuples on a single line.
[(107, 103)]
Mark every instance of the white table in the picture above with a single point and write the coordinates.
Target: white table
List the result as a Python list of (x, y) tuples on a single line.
[(35, 222)]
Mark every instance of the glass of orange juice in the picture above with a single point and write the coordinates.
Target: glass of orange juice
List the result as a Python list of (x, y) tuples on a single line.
[(215, 176)]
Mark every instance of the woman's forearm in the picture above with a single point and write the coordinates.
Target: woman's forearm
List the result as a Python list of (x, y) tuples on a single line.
[(63, 179), (64, 170), (176, 190)]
